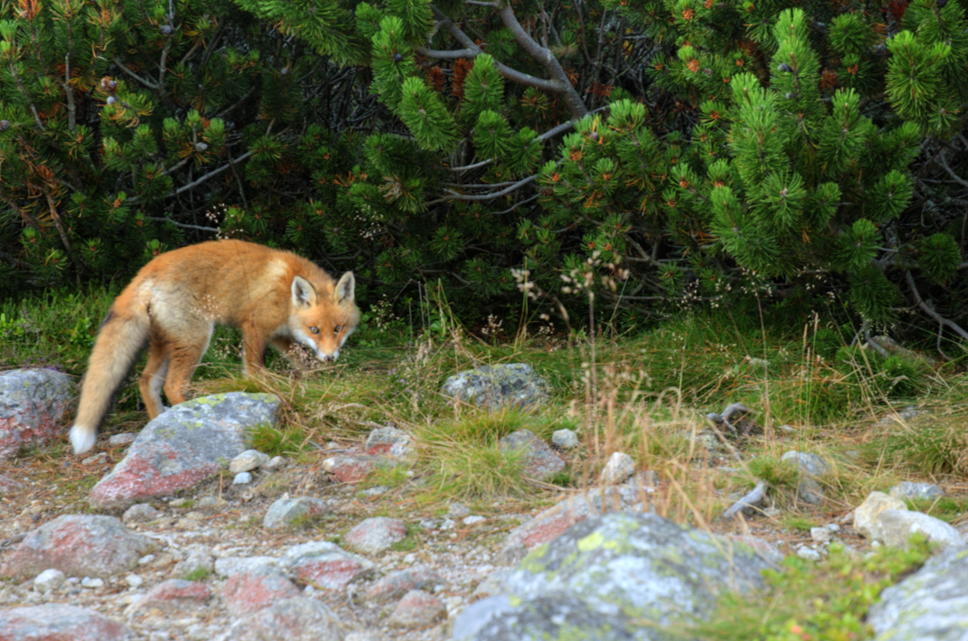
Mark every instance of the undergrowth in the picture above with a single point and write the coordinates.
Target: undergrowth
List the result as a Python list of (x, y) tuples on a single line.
[(805, 601)]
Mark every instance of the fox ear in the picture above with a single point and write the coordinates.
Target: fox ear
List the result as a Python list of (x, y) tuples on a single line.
[(303, 294), (345, 289)]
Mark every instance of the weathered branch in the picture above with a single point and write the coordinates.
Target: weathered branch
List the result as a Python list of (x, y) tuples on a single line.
[(185, 225), (146, 83), (751, 500), (453, 195), (559, 83), (955, 327)]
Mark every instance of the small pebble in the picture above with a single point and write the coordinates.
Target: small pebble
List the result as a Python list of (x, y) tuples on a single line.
[(50, 579), (122, 439), (145, 560), (88, 582), (471, 520), (134, 580), (808, 554), (565, 439), (242, 478)]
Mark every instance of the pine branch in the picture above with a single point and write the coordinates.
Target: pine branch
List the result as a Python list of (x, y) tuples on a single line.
[(146, 83)]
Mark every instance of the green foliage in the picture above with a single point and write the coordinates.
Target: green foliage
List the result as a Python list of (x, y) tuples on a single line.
[(723, 154), (827, 600)]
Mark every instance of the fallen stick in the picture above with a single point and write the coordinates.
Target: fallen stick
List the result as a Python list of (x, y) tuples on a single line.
[(751, 500)]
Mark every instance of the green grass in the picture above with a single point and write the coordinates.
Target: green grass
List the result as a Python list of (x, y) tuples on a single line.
[(824, 601)]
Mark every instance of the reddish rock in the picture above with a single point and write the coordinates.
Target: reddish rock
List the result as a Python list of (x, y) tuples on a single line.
[(540, 461), (351, 469), (396, 584), (297, 619), (324, 565), (183, 446), (32, 403), (175, 595), (548, 524), (417, 609), (77, 545), (57, 622), (375, 535), (8, 485), (256, 589)]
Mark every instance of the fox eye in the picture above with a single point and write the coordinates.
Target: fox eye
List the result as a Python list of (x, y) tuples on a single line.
[(314, 330), (338, 327)]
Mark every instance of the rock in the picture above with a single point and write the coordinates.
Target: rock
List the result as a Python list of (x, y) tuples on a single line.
[(540, 461), (895, 527), (210, 503), (473, 519), (417, 609), (287, 512), (9, 485), (929, 605), (183, 446), (765, 549), (256, 589), (231, 565), (118, 440), (92, 584), (620, 468), (375, 535), (296, 619), (351, 469), (134, 580), (275, 463), (396, 584), (173, 597), (140, 513), (865, 516), (565, 439), (325, 565), (198, 561), (909, 490), (242, 478), (493, 583), (49, 579), (496, 386), (383, 439), (458, 511), (548, 524), (821, 535), (58, 622), (808, 554), (606, 576), (248, 461), (32, 403), (77, 545), (811, 467)]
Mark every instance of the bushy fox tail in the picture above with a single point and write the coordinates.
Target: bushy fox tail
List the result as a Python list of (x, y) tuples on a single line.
[(122, 336)]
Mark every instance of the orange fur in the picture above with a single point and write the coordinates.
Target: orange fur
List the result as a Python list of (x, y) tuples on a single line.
[(174, 303)]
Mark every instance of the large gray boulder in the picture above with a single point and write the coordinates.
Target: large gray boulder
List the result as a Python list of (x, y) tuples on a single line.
[(184, 446), (929, 605), (496, 386), (618, 576), (32, 403)]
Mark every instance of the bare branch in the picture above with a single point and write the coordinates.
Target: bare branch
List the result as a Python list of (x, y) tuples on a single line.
[(185, 225), (453, 195), (141, 80), (955, 327)]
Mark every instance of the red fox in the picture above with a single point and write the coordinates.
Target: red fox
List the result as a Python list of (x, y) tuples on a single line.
[(174, 303)]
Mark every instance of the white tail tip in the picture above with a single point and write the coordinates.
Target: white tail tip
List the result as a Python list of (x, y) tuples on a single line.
[(82, 438)]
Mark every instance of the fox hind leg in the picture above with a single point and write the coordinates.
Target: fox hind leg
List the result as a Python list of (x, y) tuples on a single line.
[(182, 361), (153, 377)]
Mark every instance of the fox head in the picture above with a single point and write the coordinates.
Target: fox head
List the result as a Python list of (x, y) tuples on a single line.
[(322, 321)]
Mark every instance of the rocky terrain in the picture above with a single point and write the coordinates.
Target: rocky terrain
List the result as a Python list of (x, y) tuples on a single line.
[(189, 534)]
